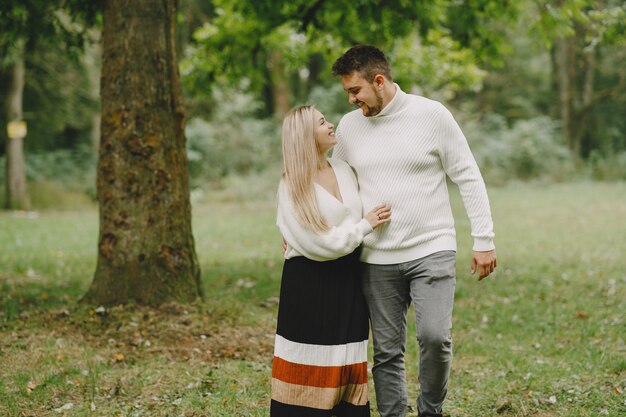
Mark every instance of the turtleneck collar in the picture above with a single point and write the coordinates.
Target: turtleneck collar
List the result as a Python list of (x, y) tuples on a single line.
[(395, 104)]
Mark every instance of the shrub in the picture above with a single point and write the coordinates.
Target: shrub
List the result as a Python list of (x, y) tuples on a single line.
[(60, 179), (529, 149), (332, 101), (74, 168), (608, 168), (232, 141)]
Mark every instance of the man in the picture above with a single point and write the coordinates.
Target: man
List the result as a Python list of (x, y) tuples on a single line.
[(402, 147)]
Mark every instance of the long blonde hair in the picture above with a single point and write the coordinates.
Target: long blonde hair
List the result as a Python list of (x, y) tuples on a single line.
[(302, 160)]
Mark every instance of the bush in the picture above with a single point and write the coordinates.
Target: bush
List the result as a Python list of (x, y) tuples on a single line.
[(608, 168), (529, 149), (74, 168), (232, 141), (63, 172), (332, 101)]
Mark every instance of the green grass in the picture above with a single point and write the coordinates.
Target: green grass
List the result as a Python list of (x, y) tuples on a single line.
[(545, 336)]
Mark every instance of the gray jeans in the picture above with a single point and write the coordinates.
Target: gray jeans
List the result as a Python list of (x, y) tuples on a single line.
[(389, 290)]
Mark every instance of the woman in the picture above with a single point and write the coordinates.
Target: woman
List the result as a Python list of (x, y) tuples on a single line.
[(320, 354)]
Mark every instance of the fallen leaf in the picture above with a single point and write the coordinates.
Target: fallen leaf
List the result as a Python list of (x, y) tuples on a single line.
[(63, 313), (65, 407), (30, 386), (582, 314)]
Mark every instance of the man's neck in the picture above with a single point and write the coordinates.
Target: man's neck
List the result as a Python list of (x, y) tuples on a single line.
[(389, 92)]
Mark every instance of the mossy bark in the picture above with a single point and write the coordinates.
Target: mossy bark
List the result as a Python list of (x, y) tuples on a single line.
[(146, 249)]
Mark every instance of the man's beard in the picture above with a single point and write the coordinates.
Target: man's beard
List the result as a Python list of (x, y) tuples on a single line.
[(374, 110)]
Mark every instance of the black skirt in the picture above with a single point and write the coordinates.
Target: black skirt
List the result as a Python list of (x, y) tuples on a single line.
[(320, 354)]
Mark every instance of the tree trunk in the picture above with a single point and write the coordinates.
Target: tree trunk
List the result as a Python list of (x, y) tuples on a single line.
[(584, 123), (16, 193), (316, 64), (146, 250), (280, 86), (564, 71)]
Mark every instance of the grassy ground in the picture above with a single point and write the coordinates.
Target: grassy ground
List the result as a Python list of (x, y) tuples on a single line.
[(544, 337)]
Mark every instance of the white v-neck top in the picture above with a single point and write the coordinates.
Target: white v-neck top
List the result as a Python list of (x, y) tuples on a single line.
[(347, 225)]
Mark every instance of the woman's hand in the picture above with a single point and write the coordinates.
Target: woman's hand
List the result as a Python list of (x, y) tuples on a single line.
[(379, 215)]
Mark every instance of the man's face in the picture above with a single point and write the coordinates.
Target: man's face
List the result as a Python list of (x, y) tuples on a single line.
[(362, 94)]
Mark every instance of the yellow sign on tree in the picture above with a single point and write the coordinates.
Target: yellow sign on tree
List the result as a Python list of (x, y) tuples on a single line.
[(16, 129)]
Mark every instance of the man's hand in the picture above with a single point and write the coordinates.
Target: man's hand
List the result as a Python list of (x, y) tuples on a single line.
[(484, 263), (284, 246)]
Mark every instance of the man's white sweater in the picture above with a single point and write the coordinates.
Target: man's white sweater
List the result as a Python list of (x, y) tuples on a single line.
[(401, 157)]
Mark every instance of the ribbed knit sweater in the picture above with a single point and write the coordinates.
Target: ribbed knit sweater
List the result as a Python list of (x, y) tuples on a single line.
[(401, 157)]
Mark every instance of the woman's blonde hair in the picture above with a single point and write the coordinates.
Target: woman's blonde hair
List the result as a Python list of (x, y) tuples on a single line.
[(302, 160)]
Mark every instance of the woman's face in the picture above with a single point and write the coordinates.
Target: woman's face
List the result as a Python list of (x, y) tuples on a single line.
[(324, 133)]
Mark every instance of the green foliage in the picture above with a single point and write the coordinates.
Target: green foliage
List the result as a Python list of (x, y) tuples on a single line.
[(611, 167), (529, 149), (521, 88), (439, 64), (232, 141), (59, 179), (59, 103), (61, 90), (65, 166), (33, 20), (60, 99), (332, 101), (494, 54), (480, 27), (431, 50), (603, 22)]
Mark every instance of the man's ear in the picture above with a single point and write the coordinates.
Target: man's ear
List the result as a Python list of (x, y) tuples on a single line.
[(379, 80)]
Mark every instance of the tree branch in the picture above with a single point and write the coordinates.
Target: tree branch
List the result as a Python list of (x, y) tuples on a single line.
[(310, 15), (614, 92)]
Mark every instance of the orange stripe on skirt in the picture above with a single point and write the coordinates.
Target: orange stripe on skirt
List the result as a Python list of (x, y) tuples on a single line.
[(319, 376)]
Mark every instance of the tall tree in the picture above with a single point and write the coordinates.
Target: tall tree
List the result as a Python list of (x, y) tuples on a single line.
[(23, 23), (16, 193), (577, 31), (146, 249)]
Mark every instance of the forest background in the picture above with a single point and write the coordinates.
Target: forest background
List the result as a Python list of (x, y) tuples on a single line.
[(537, 86)]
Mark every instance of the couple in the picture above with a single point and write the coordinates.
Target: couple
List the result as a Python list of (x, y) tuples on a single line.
[(342, 268)]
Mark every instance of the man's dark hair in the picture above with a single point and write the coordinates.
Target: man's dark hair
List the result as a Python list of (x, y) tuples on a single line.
[(367, 60)]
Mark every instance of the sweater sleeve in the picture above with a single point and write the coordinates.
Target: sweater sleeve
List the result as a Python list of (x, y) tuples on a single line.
[(460, 165), (338, 241)]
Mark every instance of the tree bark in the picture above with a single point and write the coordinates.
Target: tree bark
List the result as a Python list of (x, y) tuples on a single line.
[(16, 191), (146, 249), (280, 87), (584, 123), (564, 72)]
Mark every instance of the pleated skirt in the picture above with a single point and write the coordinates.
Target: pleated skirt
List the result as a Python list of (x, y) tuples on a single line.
[(320, 352)]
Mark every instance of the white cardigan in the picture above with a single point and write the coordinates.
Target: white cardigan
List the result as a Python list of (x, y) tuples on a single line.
[(347, 225)]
